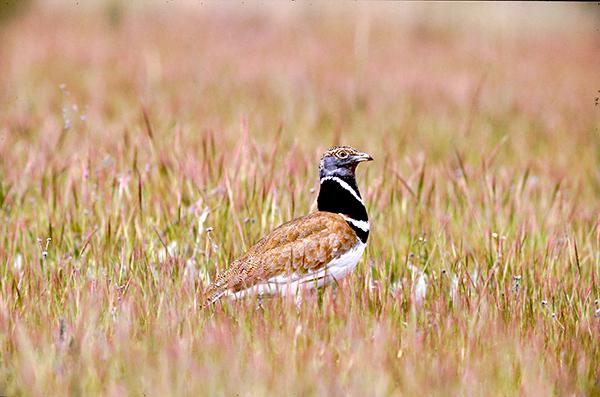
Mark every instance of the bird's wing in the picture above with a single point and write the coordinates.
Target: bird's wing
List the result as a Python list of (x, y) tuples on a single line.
[(302, 245)]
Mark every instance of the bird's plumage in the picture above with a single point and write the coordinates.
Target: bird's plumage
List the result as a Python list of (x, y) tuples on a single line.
[(296, 248), (309, 251)]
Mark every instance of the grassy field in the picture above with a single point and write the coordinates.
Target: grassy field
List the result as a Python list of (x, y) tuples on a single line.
[(142, 147)]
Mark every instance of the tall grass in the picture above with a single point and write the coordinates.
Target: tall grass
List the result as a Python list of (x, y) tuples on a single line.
[(142, 148)]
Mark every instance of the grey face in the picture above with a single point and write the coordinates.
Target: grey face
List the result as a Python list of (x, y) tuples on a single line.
[(341, 162)]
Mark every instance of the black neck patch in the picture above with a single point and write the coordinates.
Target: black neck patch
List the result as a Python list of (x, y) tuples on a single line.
[(362, 235), (333, 197)]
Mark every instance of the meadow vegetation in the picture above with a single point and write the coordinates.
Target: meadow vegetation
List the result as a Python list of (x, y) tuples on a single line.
[(142, 147)]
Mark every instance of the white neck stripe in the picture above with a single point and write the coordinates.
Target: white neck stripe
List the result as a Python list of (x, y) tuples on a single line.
[(343, 184), (362, 225)]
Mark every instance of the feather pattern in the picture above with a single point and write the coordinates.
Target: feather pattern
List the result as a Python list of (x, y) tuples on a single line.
[(298, 247), (311, 251)]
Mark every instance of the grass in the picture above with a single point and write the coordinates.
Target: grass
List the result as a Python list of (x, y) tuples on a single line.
[(143, 147)]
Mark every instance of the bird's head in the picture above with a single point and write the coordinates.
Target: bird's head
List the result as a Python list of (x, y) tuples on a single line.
[(341, 161)]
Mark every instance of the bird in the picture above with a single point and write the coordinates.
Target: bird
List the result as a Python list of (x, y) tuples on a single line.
[(311, 251)]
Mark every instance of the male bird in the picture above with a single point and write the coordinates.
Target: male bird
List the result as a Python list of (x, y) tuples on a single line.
[(308, 252)]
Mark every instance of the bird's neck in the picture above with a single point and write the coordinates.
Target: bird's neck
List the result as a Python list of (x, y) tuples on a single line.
[(339, 194)]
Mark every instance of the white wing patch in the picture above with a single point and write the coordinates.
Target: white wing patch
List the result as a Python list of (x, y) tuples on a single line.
[(293, 283)]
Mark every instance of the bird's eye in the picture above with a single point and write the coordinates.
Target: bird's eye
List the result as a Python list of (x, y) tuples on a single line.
[(342, 154)]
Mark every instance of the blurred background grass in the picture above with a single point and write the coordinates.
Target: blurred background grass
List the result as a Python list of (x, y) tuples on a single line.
[(128, 129)]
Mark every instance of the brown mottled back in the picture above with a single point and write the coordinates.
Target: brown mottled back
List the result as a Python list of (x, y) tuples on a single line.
[(303, 244)]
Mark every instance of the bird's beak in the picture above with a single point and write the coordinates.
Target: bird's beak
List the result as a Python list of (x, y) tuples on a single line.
[(363, 157)]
